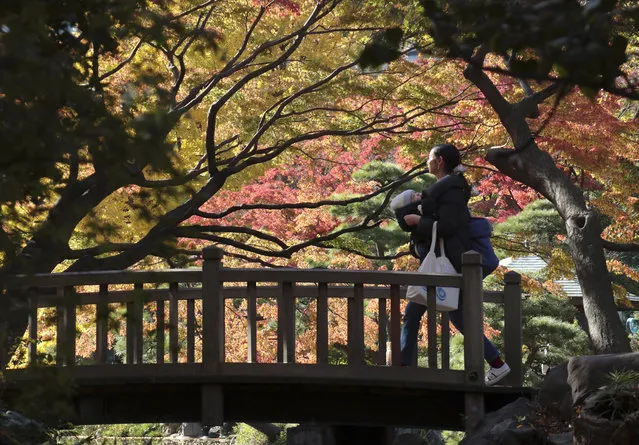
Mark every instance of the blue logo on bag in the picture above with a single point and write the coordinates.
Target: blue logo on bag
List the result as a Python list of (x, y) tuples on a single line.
[(441, 293)]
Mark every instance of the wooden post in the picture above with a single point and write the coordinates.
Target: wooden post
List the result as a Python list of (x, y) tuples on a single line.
[(472, 294), (286, 323), (190, 331), (382, 337), (60, 340), (322, 323), (251, 314), (212, 308), (512, 328), (159, 331), (65, 355), (134, 322), (174, 347), (431, 317), (212, 334), (396, 328), (33, 328), (445, 323), (102, 325), (356, 326)]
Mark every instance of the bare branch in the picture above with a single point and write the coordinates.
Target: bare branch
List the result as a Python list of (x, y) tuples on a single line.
[(265, 125), (123, 63), (252, 260), (620, 247), (368, 256), (98, 250), (195, 231), (323, 30), (157, 234), (629, 91), (474, 73), (391, 123), (390, 187), (192, 10), (192, 174)]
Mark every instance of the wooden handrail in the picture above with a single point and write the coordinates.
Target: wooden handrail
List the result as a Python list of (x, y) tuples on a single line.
[(53, 299), (230, 275), (207, 290), (214, 283)]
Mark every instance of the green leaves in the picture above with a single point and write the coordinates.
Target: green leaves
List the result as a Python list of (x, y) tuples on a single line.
[(587, 40)]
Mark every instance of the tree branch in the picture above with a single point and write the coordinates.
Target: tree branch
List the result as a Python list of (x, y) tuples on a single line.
[(390, 187), (194, 231), (620, 247), (124, 63)]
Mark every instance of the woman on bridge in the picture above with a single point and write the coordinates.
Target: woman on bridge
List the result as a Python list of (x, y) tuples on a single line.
[(445, 201)]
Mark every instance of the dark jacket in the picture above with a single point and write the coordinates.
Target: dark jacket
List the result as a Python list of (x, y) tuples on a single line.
[(445, 201)]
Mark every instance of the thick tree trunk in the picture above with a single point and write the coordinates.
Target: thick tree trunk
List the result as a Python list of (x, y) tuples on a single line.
[(535, 168)]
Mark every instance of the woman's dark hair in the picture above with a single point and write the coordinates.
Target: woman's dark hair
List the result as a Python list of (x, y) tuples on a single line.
[(450, 154)]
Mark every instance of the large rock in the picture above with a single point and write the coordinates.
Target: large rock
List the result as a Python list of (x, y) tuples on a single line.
[(15, 429), (191, 429), (561, 438), (417, 436), (554, 397), (508, 426), (593, 430), (310, 435), (605, 413), (588, 373)]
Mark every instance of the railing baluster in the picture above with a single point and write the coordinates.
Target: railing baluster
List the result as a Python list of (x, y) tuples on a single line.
[(382, 323), (33, 327), (65, 343), (473, 318), (322, 323), (134, 311), (395, 330), (473, 338), (445, 327), (286, 324), (212, 309), (512, 327), (356, 326), (190, 331), (60, 340), (251, 314), (159, 331), (431, 316), (212, 396), (102, 323), (174, 347)]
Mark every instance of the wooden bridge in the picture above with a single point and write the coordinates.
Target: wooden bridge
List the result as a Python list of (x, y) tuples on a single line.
[(195, 382)]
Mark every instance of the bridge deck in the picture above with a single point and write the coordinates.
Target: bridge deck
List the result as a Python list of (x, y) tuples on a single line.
[(194, 379), (287, 393)]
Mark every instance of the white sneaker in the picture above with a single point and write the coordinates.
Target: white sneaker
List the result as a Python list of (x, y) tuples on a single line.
[(494, 375)]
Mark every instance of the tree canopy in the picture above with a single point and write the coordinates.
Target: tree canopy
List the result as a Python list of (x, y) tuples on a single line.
[(139, 131), (558, 45)]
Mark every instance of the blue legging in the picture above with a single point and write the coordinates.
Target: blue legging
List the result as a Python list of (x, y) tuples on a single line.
[(412, 319)]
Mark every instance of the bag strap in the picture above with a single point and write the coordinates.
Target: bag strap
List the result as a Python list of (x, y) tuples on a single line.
[(441, 247), (432, 238), (432, 241)]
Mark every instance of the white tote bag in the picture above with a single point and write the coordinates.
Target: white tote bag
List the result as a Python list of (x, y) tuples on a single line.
[(447, 297)]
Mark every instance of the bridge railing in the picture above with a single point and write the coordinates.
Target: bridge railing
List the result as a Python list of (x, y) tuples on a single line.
[(199, 296)]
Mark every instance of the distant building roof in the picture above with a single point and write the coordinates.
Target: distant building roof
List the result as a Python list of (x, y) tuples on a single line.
[(534, 263), (528, 264)]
